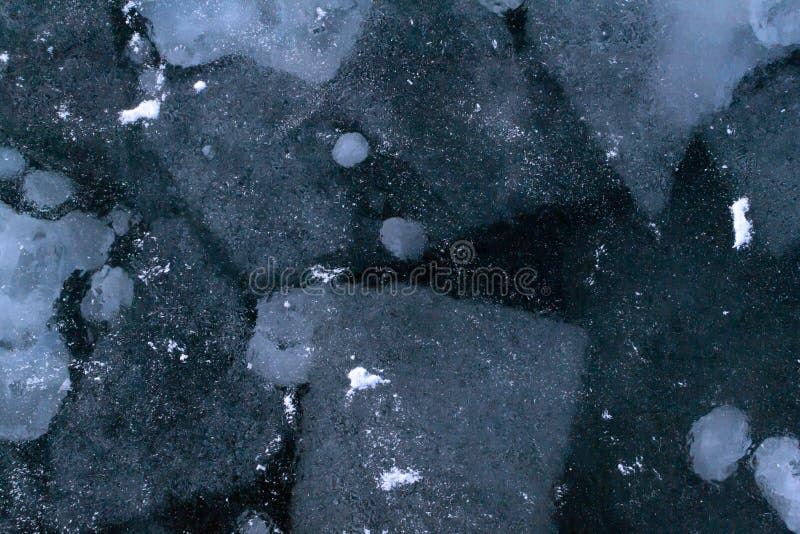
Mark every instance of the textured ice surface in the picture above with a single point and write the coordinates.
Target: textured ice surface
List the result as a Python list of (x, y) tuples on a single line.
[(777, 472), (12, 164), (467, 431), (193, 424), (350, 149), (111, 289), (717, 441), (309, 39), (47, 190), (775, 22), (405, 239), (36, 257), (644, 74), (755, 144)]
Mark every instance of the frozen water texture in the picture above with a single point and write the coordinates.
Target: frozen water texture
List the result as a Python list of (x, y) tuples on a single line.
[(405, 239), (775, 22), (644, 74), (742, 228), (47, 190), (499, 7), (309, 39), (149, 109), (477, 453), (12, 163), (717, 441), (777, 472), (350, 149), (755, 143), (36, 257), (111, 290)]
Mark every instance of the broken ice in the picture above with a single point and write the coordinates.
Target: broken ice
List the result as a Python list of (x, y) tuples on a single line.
[(350, 149), (47, 190), (404, 239), (111, 289), (12, 164), (717, 441), (777, 461)]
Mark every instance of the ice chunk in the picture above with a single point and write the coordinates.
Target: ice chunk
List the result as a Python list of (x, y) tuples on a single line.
[(33, 381), (501, 6), (149, 109), (405, 239), (742, 228), (717, 441), (350, 149), (199, 86), (111, 290), (775, 22), (47, 190), (280, 349), (777, 472), (429, 422), (120, 219), (307, 38), (36, 257), (12, 164)]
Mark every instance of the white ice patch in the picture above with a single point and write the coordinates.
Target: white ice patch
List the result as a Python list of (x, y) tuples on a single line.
[(47, 190), (4, 57), (350, 149), (149, 109), (499, 7), (717, 441), (398, 477), (404, 239), (742, 228), (775, 22), (361, 379), (12, 164), (776, 471), (200, 86), (111, 290)]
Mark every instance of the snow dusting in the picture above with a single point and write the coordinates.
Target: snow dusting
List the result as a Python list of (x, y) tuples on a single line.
[(360, 379), (398, 477)]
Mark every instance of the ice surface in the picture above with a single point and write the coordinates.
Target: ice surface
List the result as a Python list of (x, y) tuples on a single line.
[(350, 149), (466, 434), (147, 426), (777, 472), (717, 441), (111, 290), (47, 190), (405, 239), (644, 74), (12, 164), (755, 144), (309, 39), (775, 22), (36, 257)]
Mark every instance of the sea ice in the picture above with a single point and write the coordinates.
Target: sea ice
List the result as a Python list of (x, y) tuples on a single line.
[(111, 290), (307, 38), (777, 472), (350, 149), (148, 109), (717, 441), (12, 164), (47, 190), (404, 239), (742, 228)]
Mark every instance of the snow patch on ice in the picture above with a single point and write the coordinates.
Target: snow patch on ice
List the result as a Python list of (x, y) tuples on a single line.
[(200, 86), (350, 149), (717, 441), (742, 228), (149, 109), (777, 473), (398, 477)]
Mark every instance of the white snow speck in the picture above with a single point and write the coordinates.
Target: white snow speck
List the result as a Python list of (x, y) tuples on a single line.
[(360, 379), (4, 57), (149, 109), (606, 415), (398, 477), (200, 86), (742, 228)]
